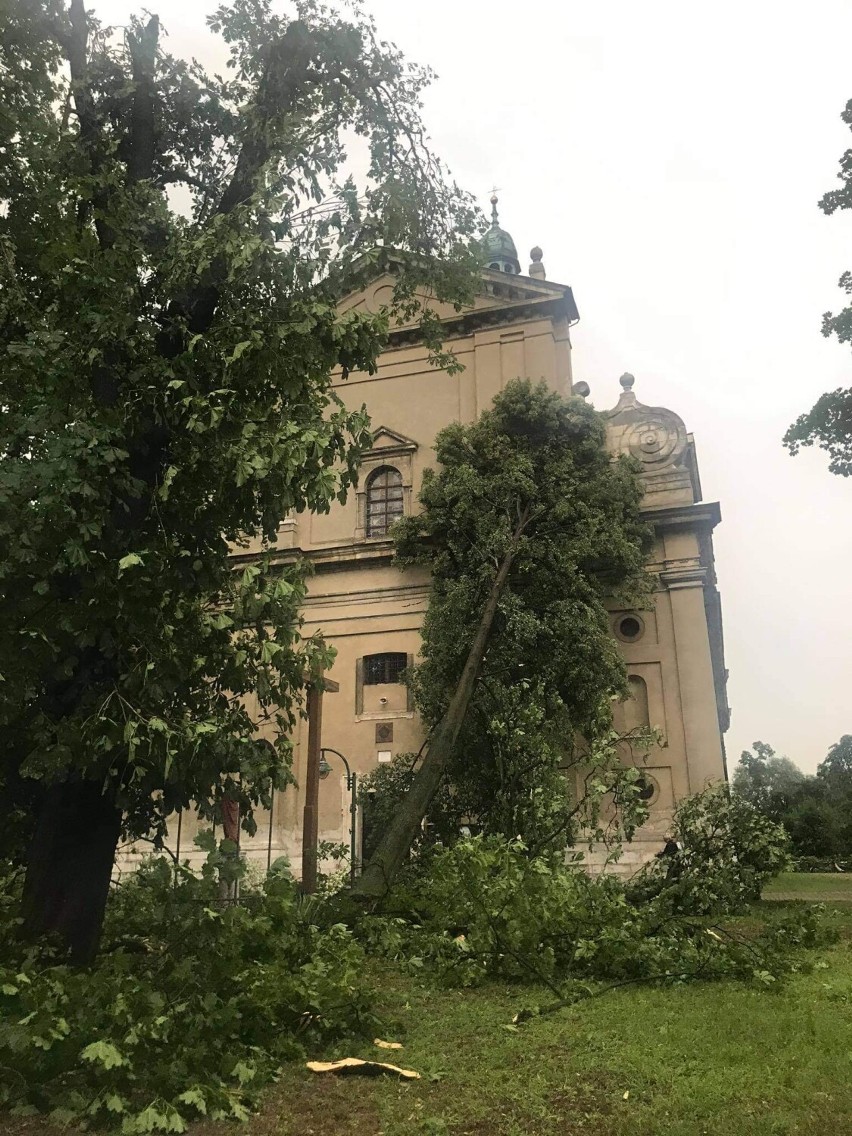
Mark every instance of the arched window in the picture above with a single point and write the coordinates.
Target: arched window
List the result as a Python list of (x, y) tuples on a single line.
[(636, 715), (384, 500)]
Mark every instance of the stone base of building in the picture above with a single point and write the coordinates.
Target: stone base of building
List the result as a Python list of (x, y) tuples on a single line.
[(601, 859), (259, 854)]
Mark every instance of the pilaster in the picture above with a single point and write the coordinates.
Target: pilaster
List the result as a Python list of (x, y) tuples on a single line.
[(704, 760)]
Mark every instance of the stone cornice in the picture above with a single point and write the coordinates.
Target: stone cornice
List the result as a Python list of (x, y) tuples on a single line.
[(416, 590), (339, 557), (687, 576), (701, 514), (353, 554), (559, 306)]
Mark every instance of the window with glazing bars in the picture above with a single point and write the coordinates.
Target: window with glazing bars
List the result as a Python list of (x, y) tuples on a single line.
[(384, 500), (379, 669)]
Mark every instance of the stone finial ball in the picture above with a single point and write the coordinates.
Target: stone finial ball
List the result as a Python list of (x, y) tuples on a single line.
[(536, 254), (494, 199), (582, 389), (627, 380)]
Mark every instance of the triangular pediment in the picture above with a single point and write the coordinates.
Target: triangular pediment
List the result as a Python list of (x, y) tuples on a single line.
[(387, 441)]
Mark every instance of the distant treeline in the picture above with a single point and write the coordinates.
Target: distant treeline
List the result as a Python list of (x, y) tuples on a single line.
[(815, 810)]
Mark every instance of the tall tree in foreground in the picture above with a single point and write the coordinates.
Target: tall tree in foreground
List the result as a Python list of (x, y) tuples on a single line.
[(165, 389), (528, 528), (828, 424)]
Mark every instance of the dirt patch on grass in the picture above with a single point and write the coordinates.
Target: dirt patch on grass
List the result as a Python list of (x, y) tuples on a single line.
[(313, 1106), (32, 1126)]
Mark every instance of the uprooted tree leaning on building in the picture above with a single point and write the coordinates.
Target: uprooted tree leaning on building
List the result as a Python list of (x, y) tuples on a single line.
[(528, 528)]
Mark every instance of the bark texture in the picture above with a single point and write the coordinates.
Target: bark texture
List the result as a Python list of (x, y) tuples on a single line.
[(69, 868)]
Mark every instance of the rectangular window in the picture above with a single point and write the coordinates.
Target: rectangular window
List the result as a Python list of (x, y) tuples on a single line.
[(386, 668)]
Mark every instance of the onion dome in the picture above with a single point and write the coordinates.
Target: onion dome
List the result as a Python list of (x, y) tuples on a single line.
[(498, 248)]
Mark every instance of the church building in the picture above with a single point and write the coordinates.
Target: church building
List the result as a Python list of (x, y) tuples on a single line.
[(520, 325)]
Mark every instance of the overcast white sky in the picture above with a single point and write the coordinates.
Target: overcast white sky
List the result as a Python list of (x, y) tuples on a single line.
[(668, 158)]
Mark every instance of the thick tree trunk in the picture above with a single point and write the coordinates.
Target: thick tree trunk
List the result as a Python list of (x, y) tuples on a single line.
[(379, 874), (70, 864)]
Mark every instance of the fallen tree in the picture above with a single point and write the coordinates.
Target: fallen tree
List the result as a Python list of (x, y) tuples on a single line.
[(529, 529)]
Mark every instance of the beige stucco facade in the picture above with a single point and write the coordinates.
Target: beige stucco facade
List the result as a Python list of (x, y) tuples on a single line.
[(364, 606)]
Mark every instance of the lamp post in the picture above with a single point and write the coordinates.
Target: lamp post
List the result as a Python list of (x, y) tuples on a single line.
[(315, 690), (352, 788)]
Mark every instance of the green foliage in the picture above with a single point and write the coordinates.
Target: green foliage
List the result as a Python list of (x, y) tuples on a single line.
[(166, 375), (486, 908), (819, 824), (836, 770), (728, 851), (606, 807), (532, 475), (828, 424), (491, 910), (379, 795), (766, 780), (190, 1011), (817, 864), (329, 883), (815, 811)]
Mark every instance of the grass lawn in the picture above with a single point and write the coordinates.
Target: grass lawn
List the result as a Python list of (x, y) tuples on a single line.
[(686, 1061), (816, 887)]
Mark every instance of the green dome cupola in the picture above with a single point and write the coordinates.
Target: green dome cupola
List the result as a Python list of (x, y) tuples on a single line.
[(498, 248)]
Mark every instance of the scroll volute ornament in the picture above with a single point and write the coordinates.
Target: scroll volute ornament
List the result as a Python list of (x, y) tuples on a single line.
[(656, 437), (658, 440)]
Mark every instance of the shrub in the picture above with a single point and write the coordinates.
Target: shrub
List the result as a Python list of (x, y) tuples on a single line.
[(189, 1011)]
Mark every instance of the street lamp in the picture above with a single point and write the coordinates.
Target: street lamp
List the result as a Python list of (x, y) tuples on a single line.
[(352, 788)]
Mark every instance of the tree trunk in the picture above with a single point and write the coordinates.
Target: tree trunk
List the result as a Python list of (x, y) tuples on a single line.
[(69, 868), (379, 874)]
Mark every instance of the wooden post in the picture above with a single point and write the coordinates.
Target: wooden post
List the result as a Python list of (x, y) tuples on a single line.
[(310, 823)]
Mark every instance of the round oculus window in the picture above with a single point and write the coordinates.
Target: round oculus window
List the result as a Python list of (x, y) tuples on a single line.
[(646, 787), (630, 628)]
